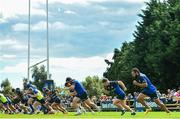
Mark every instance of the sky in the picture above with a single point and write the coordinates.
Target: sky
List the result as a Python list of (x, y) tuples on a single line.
[(82, 33)]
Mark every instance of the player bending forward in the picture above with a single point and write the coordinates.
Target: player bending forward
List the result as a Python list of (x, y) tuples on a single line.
[(149, 90), (113, 88), (81, 95)]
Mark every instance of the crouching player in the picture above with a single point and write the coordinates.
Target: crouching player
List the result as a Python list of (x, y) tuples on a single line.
[(38, 100), (20, 100), (149, 90), (7, 104), (54, 100), (81, 95), (113, 88)]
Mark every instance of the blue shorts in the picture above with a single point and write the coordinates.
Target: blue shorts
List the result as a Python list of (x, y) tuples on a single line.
[(8, 102), (83, 97), (152, 95), (121, 96)]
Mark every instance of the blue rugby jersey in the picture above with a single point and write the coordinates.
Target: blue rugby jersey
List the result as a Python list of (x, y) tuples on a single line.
[(79, 88), (150, 87)]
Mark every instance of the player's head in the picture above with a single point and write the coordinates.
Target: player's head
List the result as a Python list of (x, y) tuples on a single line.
[(44, 89), (135, 72), (68, 84), (13, 90), (17, 91), (105, 81), (30, 89), (69, 79)]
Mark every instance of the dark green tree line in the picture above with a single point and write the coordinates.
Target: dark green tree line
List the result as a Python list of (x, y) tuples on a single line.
[(155, 49)]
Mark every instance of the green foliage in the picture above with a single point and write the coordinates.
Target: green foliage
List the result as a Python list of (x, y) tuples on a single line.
[(39, 75), (93, 86), (155, 49), (6, 86)]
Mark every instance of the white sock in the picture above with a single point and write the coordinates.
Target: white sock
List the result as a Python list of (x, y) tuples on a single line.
[(78, 110)]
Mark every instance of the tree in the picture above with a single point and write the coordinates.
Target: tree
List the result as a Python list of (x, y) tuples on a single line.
[(93, 86), (39, 75), (155, 49), (6, 86)]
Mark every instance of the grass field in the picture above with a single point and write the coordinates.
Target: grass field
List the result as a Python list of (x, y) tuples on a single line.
[(101, 115)]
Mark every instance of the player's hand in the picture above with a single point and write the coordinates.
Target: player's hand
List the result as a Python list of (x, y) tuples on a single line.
[(125, 89), (135, 82)]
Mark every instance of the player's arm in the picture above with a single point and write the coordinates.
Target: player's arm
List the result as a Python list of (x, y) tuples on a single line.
[(32, 95), (106, 92), (142, 85), (122, 85), (73, 93)]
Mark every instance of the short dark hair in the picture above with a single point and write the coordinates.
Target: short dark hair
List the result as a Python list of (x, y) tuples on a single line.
[(136, 70), (69, 79), (104, 80), (67, 84)]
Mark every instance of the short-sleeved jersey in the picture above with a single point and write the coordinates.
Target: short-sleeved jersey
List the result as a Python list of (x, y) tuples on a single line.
[(39, 94), (53, 95), (3, 99), (31, 86), (150, 87), (79, 88), (114, 88)]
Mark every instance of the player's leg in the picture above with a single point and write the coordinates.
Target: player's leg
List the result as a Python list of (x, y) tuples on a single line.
[(76, 104), (35, 106), (91, 104), (117, 103), (60, 107), (12, 108), (123, 103), (161, 104), (45, 107), (140, 99), (24, 105), (6, 107), (30, 104), (25, 109), (88, 107), (55, 107), (2, 108), (46, 104)]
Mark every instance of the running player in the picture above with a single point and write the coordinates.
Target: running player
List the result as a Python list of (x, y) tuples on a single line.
[(81, 95), (7, 104), (20, 100), (38, 100), (149, 90), (73, 93), (113, 88), (54, 100)]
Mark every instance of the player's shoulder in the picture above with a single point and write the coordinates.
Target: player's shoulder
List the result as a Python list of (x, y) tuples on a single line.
[(113, 82), (75, 81), (142, 74)]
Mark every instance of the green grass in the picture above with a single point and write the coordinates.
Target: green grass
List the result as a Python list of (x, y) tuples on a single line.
[(102, 115)]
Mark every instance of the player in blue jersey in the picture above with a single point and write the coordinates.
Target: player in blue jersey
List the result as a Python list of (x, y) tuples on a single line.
[(116, 89), (81, 95), (149, 90), (54, 100), (30, 99)]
